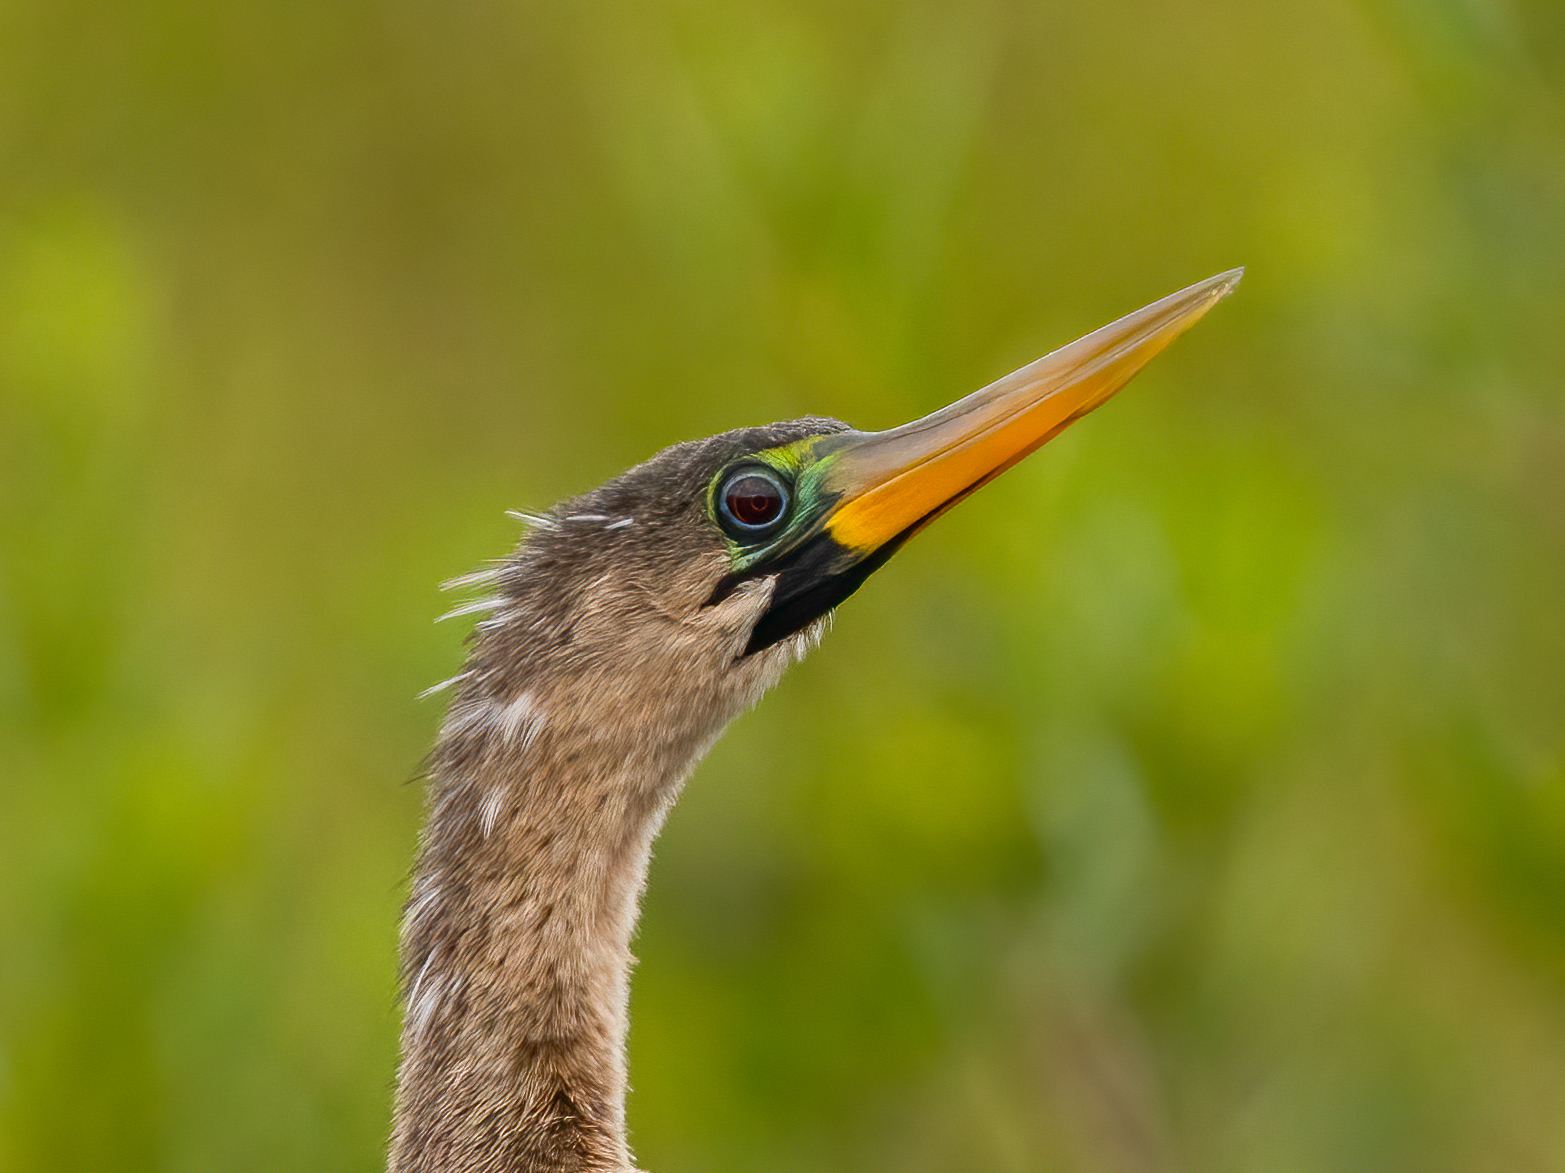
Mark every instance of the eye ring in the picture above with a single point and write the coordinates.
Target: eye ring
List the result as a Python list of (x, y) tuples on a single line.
[(752, 501)]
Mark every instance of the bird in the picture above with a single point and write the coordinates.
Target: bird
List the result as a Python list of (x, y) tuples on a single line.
[(628, 627)]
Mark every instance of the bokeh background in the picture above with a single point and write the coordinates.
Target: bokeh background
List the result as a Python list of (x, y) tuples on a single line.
[(1192, 799)]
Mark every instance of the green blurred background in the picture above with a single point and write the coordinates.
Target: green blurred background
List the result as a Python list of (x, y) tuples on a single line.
[(1192, 799)]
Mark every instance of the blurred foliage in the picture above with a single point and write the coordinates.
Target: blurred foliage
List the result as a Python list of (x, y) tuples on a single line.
[(1192, 799)]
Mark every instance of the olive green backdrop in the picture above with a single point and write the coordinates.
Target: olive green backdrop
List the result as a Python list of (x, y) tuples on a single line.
[(1192, 799)]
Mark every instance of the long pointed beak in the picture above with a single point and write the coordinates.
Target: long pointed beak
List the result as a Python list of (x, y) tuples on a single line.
[(891, 484), (878, 489)]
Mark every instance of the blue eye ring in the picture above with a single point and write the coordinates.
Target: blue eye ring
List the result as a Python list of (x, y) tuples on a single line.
[(752, 501)]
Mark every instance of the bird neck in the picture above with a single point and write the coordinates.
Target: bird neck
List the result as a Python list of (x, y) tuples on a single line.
[(516, 941)]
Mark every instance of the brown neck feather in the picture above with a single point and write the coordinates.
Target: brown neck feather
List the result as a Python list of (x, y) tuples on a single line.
[(569, 738), (517, 949)]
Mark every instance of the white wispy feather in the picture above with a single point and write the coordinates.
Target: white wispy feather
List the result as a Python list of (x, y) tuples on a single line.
[(536, 520), (472, 607), (475, 578), (441, 687)]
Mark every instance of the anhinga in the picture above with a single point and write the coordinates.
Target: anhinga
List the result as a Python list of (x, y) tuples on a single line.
[(630, 625)]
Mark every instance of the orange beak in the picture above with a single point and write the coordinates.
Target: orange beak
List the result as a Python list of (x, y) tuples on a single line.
[(871, 491), (893, 483)]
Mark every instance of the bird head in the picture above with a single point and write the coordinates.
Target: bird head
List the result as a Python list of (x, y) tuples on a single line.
[(704, 571)]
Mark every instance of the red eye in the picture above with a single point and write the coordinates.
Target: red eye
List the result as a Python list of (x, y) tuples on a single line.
[(753, 500)]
